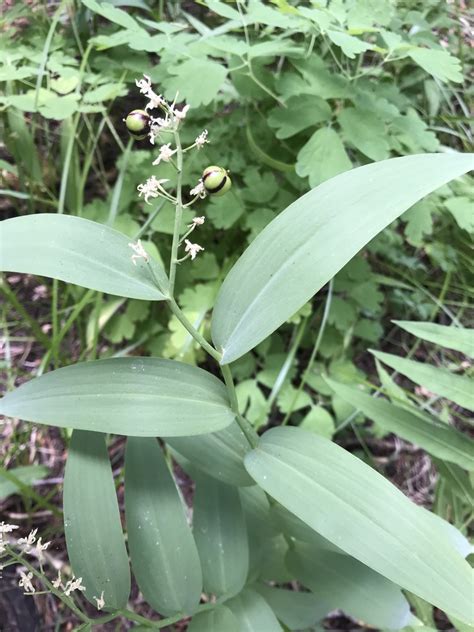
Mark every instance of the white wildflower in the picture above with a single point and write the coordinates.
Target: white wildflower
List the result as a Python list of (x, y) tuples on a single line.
[(151, 188), (155, 100), (199, 190), (57, 582), (7, 528), (156, 126), (100, 601), (201, 140), (72, 585), (192, 249), (40, 547), (140, 252), (165, 154), (25, 582), (180, 115), (30, 539), (197, 221), (2, 546)]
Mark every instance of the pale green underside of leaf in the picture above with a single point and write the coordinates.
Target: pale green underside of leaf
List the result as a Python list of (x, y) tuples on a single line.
[(94, 537), (221, 536), (439, 440), (458, 388), (297, 610), (78, 251), (218, 454), (131, 396), (253, 613), (307, 244), (164, 556), (219, 619), (358, 510), (341, 582), (458, 338)]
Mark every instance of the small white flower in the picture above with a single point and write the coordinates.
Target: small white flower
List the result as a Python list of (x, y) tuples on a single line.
[(155, 100), (151, 188), (192, 249), (180, 115), (199, 190), (25, 582), (100, 601), (201, 140), (40, 547), (2, 546), (197, 221), (30, 539), (73, 584), (7, 528), (165, 154), (57, 582), (140, 253)]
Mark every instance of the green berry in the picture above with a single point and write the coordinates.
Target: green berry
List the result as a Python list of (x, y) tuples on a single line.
[(216, 180), (137, 123)]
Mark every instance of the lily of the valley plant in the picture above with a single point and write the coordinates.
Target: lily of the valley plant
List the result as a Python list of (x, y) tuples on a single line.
[(314, 510)]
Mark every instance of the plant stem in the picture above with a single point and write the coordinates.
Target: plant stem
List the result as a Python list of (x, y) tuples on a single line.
[(192, 330), (178, 214), (246, 428)]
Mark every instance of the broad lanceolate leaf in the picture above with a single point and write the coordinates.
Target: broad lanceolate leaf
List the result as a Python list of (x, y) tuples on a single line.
[(94, 537), (358, 510), (164, 557), (218, 454), (297, 610), (457, 338), (220, 619), (458, 388), (78, 251), (304, 247), (252, 612), (221, 536), (341, 582), (438, 439), (145, 397)]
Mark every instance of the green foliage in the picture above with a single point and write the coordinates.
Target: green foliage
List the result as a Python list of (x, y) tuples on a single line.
[(294, 96)]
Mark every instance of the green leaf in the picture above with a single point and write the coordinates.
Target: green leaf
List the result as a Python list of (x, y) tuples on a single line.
[(301, 112), (461, 209), (94, 537), (220, 619), (297, 610), (350, 45), (322, 157), (252, 612), (78, 251), (218, 454), (438, 63), (439, 440), (304, 247), (366, 132), (145, 397), (11, 481), (351, 505), (457, 388), (318, 420), (221, 536), (198, 81), (164, 556), (418, 222), (109, 12), (457, 338), (341, 582)]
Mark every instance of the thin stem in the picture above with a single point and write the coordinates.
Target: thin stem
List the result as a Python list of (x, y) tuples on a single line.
[(178, 214), (246, 428), (192, 330), (69, 602), (309, 366)]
